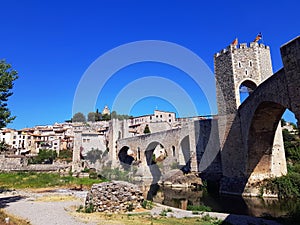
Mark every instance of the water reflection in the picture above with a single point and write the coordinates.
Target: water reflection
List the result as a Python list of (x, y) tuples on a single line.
[(258, 207)]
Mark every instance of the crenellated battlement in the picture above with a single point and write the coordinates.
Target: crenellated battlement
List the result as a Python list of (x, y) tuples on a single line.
[(232, 47)]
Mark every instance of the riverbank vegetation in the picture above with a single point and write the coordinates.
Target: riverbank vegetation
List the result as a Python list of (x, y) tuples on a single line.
[(21, 180), (288, 186)]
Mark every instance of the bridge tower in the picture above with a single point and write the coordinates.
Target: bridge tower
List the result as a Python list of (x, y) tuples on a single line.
[(238, 66), (243, 66)]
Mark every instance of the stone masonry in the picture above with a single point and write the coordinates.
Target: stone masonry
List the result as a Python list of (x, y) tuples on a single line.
[(115, 196)]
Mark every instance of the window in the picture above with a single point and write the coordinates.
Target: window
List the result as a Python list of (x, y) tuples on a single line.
[(250, 63), (240, 65), (160, 116), (246, 72), (170, 120), (169, 115)]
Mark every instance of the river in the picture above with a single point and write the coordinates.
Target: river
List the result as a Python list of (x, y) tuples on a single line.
[(252, 206)]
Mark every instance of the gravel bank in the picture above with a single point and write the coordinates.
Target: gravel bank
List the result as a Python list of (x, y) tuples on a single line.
[(39, 213)]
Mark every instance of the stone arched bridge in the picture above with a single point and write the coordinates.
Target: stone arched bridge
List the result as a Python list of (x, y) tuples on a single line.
[(177, 144), (245, 141)]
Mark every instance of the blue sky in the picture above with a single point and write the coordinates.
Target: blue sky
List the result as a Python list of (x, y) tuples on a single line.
[(52, 43)]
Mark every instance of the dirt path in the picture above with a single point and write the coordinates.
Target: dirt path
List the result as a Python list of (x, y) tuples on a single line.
[(44, 212)]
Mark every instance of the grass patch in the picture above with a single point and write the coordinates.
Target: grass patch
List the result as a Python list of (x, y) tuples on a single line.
[(56, 198), (21, 180), (137, 219)]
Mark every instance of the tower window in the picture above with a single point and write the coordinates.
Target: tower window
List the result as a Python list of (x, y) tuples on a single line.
[(250, 63), (246, 72), (240, 65)]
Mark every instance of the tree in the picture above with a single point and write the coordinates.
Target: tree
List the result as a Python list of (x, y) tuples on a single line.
[(105, 117), (113, 115), (3, 146), (7, 78), (98, 115), (92, 117), (147, 130), (44, 157), (79, 117)]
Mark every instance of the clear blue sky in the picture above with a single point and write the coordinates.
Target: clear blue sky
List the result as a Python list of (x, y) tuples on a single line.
[(52, 43)]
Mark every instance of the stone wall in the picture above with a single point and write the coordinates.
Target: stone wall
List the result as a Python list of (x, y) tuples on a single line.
[(7, 164), (10, 164), (115, 196)]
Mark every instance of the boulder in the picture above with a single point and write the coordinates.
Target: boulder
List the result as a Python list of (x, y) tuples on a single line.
[(176, 178)]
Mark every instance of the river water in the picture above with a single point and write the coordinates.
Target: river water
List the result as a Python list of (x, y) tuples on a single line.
[(258, 207)]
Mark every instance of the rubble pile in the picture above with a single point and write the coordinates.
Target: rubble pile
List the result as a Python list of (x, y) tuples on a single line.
[(115, 196)]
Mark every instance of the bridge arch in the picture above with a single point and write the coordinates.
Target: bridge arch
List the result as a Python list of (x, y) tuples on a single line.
[(126, 157), (245, 88), (263, 141), (150, 152)]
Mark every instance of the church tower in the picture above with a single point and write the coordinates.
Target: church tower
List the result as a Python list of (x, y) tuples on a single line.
[(240, 66)]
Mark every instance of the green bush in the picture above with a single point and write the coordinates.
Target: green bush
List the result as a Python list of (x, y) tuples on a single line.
[(44, 156), (66, 155), (147, 204), (199, 208), (89, 209), (286, 186)]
